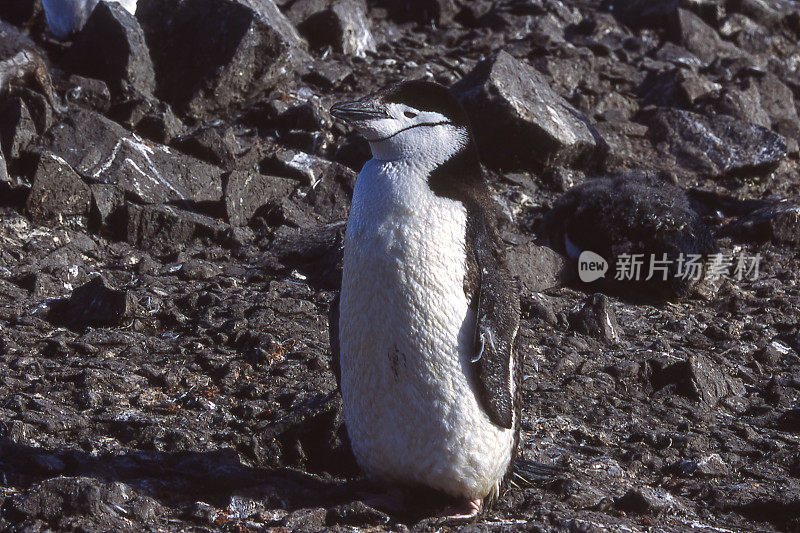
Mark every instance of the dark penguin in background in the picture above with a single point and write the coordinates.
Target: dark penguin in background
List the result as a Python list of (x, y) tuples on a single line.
[(428, 313), (627, 214)]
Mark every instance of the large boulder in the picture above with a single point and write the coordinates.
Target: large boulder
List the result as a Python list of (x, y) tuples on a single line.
[(57, 190), (153, 226), (520, 123), (147, 172), (112, 48), (699, 38), (344, 26), (246, 192), (217, 55), (716, 146)]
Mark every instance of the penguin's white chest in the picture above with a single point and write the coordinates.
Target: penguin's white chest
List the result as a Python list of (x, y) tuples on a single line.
[(405, 338)]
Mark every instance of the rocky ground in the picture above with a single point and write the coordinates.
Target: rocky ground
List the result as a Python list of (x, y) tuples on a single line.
[(172, 198)]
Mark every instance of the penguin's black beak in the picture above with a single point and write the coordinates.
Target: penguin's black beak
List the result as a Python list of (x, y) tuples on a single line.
[(359, 110)]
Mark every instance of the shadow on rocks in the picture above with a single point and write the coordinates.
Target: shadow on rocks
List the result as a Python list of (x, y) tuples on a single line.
[(60, 483)]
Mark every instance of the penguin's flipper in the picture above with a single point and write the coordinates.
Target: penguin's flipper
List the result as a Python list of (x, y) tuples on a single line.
[(333, 337), (496, 325)]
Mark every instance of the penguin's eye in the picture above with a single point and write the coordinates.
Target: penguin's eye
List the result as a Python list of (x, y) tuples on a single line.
[(410, 114)]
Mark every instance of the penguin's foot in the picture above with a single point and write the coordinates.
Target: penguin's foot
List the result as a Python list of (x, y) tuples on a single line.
[(462, 513)]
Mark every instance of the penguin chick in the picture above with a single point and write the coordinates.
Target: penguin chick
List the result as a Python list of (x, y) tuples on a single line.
[(632, 214), (428, 311)]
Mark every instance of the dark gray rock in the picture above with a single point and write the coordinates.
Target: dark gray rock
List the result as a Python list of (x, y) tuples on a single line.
[(538, 306), (717, 146), (754, 39), (732, 25), (770, 14), (312, 519), (778, 223), (709, 10), (700, 379), (712, 465), (524, 124), (20, 12), (743, 101), (327, 74), (537, 267), (330, 197), (3, 169), (203, 512), (790, 421), (96, 303), (597, 319), (777, 100), (198, 270), (645, 500), (343, 26), (246, 192), (699, 38), (151, 119), (84, 503), (57, 190), (248, 47), (161, 225), (107, 203), (112, 47), (300, 10), (438, 12), (308, 169), (677, 87), (771, 354), (41, 110), (308, 116), (17, 128), (151, 173), (209, 145), (54, 498), (785, 225), (315, 251), (89, 93), (356, 514), (676, 55), (21, 61), (642, 13)]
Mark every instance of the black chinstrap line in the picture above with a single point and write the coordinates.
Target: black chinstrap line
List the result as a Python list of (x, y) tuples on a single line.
[(428, 124)]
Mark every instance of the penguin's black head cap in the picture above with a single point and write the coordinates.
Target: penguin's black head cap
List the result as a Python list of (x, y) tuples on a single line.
[(407, 118)]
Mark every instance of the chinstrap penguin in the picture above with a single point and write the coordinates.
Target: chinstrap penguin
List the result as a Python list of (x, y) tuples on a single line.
[(425, 323)]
